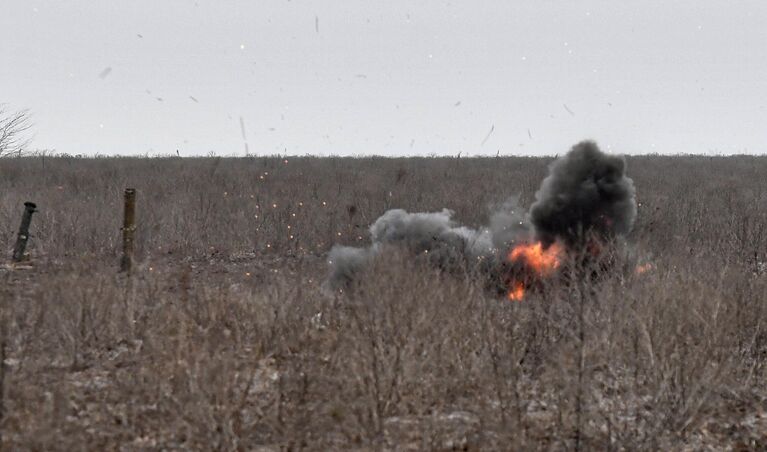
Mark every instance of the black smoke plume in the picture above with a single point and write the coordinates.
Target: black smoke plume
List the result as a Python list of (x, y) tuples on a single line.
[(586, 192)]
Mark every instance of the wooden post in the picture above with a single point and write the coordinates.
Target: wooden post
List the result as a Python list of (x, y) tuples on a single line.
[(128, 229), (21, 240)]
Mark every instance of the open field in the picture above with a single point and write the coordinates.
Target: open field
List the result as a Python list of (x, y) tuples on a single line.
[(223, 337)]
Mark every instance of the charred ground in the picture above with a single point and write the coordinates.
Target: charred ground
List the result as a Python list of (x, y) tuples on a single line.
[(224, 337)]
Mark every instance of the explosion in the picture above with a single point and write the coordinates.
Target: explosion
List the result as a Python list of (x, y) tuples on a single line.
[(585, 203)]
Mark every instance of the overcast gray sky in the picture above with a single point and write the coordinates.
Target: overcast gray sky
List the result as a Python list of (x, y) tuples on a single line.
[(387, 77)]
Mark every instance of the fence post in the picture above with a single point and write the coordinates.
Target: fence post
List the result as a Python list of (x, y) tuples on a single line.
[(128, 229), (21, 240)]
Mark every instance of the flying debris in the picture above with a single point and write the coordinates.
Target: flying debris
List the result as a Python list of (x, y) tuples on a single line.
[(568, 110), (194, 99), (457, 104), (244, 137), (529, 134), (139, 35), (317, 24), (105, 73), (488, 135)]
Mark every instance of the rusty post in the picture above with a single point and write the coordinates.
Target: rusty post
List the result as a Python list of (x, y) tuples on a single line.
[(128, 229), (21, 240)]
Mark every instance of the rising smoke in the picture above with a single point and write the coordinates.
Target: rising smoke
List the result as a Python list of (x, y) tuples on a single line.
[(586, 192)]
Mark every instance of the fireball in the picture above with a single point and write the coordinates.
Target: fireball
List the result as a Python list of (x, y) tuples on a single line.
[(542, 261)]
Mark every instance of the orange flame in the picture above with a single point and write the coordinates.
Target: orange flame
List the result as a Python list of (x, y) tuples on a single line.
[(543, 262), (517, 292)]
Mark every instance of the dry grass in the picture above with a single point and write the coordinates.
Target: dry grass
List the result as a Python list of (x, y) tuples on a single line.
[(223, 339)]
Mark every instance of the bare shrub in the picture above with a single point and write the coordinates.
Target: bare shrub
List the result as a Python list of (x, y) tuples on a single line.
[(13, 128), (224, 337)]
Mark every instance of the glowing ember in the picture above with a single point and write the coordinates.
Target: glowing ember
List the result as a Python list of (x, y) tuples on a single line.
[(543, 262), (517, 291), (644, 268)]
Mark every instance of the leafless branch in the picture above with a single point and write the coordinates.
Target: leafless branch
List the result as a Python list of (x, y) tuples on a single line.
[(13, 128)]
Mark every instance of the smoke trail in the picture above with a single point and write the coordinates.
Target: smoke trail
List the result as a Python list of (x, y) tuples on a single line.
[(586, 191)]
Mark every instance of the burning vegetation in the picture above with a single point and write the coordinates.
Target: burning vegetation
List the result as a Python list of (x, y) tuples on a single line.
[(585, 203)]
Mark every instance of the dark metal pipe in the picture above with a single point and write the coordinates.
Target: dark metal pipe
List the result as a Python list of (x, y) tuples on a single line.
[(23, 237)]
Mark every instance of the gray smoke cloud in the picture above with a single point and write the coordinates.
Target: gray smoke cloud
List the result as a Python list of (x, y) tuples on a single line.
[(433, 236), (586, 191)]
